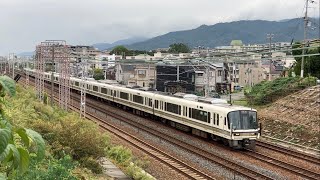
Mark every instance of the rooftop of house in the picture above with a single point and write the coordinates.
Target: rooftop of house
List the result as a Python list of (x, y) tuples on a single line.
[(127, 67)]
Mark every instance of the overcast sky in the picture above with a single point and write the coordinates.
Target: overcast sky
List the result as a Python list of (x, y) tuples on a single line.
[(25, 23)]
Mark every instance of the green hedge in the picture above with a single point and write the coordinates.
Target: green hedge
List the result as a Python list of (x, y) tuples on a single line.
[(269, 91)]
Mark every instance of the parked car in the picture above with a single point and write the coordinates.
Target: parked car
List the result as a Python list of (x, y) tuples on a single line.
[(238, 88)]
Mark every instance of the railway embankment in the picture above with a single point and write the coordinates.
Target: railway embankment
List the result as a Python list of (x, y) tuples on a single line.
[(288, 109), (294, 118), (74, 146)]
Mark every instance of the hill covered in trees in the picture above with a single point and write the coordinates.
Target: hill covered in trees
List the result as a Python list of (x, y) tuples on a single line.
[(253, 31)]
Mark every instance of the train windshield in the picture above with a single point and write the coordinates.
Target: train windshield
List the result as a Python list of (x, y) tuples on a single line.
[(243, 120)]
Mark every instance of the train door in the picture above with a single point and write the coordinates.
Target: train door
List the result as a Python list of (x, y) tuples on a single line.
[(225, 123), (184, 112), (112, 94)]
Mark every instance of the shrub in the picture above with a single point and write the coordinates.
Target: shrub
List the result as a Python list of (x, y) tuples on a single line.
[(91, 164), (120, 154), (78, 138), (51, 168), (68, 137), (269, 91), (17, 144), (82, 136), (137, 173)]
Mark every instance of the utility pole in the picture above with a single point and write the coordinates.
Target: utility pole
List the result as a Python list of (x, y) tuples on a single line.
[(207, 81), (83, 84), (270, 36), (304, 38), (11, 64), (178, 72), (13, 61), (5, 66), (52, 77), (27, 74)]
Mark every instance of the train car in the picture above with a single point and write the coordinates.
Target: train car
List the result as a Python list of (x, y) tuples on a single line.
[(236, 126)]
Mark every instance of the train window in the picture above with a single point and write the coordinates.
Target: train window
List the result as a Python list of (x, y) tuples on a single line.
[(76, 83), (124, 95), (95, 88), (56, 78), (173, 108), (138, 99), (200, 115), (111, 92), (217, 119), (209, 116), (225, 121), (190, 113), (104, 90), (214, 118), (156, 104)]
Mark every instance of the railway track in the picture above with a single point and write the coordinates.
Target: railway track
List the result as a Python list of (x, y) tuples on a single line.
[(281, 164), (218, 160), (299, 155), (161, 156), (226, 163)]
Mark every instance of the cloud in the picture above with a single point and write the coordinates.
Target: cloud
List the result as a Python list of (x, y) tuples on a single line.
[(25, 23)]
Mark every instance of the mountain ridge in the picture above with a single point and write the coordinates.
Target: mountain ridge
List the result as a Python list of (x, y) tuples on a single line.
[(249, 31), (104, 46)]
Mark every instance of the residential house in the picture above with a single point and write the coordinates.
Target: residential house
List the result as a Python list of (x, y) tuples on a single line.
[(136, 75), (190, 78)]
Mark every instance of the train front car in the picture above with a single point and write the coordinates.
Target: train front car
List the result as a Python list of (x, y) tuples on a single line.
[(244, 128)]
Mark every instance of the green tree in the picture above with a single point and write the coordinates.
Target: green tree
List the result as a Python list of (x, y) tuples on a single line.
[(311, 63), (98, 74), (120, 50), (179, 48), (16, 143)]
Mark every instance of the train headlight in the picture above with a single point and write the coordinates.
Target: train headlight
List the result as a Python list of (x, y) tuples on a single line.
[(236, 134)]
